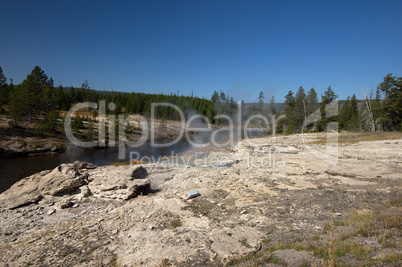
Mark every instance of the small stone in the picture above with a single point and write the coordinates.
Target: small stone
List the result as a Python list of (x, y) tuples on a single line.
[(85, 192), (51, 211), (8, 232), (66, 203)]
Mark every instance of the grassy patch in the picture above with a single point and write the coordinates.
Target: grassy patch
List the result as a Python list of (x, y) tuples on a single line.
[(347, 138), (347, 247), (133, 162), (176, 222), (393, 258)]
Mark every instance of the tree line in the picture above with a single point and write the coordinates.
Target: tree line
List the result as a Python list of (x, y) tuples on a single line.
[(382, 112), (305, 112), (36, 96)]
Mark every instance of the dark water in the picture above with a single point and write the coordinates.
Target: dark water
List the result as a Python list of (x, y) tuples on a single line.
[(12, 170)]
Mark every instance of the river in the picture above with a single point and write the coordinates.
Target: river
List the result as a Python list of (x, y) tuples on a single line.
[(13, 170)]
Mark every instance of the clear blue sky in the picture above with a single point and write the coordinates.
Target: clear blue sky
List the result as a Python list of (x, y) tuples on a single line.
[(240, 47)]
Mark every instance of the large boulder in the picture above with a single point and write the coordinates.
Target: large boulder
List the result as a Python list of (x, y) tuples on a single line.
[(23, 192), (139, 173), (108, 182), (62, 180), (138, 187), (118, 183)]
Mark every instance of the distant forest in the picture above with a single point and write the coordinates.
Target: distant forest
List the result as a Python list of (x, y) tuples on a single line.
[(37, 97)]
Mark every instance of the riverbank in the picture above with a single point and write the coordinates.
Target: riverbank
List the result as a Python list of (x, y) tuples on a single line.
[(22, 141), (273, 202), (25, 140)]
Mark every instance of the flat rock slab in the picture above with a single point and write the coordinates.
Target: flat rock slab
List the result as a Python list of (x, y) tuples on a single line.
[(293, 257), (24, 192)]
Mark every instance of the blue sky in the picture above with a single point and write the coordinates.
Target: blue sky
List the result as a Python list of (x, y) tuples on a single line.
[(236, 46)]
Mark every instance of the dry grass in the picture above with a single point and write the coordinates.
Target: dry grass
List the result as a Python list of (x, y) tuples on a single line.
[(382, 223), (133, 162), (347, 138)]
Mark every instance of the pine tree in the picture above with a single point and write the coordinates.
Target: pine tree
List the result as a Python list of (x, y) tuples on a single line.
[(17, 105), (348, 114), (272, 106), (215, 97), (300, 108), (392, 103), (312, 102), (4, 89), (261, 102), (32, 89), (222, 96), (3, 78), (290, 104), (85, 85), (328, 97)]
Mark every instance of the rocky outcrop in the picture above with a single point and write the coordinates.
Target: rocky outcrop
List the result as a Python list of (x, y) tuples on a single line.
[(24, 192), (119, 183), (76, 179), (62, 180)]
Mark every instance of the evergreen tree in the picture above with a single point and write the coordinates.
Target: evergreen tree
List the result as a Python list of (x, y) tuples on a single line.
[(272, 106), (3, 78), (18, 104), (378, 111), (328, 97), (312, 102), (261, 102), (32, 89), (290, 104), (85, 85), (392, 103), (348, 114), (300, 113), (215, 97), (4, 89), (222, 97)]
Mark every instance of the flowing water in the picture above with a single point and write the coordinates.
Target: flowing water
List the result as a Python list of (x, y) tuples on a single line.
[(12, 170)]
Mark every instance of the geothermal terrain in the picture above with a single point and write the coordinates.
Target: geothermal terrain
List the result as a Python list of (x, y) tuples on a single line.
[(289, 201)]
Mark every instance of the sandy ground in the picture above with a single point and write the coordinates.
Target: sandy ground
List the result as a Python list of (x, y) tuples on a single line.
[(271, 203)]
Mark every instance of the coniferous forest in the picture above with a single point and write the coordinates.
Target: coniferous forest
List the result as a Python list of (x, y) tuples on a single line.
[(36, 96)]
